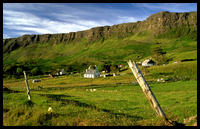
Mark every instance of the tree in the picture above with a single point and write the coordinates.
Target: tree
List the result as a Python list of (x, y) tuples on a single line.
[(106, 68), (100, 67), (114, 68), (9, 69), (35, 71), (68, 68), (19, 71)]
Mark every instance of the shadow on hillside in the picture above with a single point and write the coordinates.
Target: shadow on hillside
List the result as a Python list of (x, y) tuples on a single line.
[(88, 86), (7, 90), (188, 60), (175, 123), (65, 101), (44, 119)]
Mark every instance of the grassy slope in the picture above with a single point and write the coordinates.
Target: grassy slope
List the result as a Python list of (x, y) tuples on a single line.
[(109, 105), (134, 47), (117, 100)]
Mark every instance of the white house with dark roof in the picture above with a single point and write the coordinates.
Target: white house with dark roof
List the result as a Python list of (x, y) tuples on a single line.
[(62, 72), (148, 62), (92, 73)]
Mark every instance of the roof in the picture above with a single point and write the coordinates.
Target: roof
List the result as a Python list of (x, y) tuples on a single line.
[(148, 61), (90, 71), (62, 70)]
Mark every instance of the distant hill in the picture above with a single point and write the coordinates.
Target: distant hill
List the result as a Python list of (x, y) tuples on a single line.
[(176, 33), (183, 24)]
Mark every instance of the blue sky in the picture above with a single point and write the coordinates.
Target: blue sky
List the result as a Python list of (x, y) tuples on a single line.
[(52, 18)]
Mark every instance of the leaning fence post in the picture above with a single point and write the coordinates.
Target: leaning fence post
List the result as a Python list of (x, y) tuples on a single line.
[(27, 86), (146, 89)]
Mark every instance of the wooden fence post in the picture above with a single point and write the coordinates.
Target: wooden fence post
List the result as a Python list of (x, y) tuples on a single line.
[(146, 89), (27, 86)]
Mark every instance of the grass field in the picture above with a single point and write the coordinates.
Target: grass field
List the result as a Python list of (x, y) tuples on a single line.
[(116, 101)]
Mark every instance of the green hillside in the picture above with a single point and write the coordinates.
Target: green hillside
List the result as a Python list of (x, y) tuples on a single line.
[(101, 45)]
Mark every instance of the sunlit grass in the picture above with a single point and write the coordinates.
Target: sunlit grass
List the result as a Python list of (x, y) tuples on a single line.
[(111, 104)]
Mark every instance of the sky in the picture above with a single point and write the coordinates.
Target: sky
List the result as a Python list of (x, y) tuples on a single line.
[(52, 18)]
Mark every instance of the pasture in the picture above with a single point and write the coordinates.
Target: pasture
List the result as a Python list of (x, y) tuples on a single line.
[(111, 101)]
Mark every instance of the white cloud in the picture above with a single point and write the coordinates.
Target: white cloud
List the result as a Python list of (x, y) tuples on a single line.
[(19, 18), (23, 21), (89, 23), (5, 36), (28, 22), (123, 19), (172, 7)]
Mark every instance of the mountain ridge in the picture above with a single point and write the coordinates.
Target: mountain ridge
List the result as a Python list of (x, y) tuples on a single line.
[(157, 24)]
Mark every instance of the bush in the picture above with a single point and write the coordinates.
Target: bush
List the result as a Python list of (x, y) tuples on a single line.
[(35, 71), (9, 69), (19, 71), (100, 67), (114, 68)]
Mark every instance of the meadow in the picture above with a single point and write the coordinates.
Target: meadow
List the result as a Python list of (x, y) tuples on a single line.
[(110, 101)]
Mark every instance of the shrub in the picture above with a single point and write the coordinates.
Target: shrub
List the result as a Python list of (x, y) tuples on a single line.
[(19, 71), (35, 71), (100, 67)]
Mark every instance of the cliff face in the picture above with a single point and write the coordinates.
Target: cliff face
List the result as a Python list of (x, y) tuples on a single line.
[(163, 21), (158, 23)]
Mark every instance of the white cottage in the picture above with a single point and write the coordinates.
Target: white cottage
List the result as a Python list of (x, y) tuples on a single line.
[(92, 73), (148, 62), (62, 72)]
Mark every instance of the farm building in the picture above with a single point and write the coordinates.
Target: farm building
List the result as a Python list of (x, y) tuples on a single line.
[(62, 72), (92, 73), (36, 80), (120, 65), (148, 62)]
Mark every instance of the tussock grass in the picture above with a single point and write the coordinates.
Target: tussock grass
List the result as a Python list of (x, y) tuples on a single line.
[(176, 72), (109, 105)]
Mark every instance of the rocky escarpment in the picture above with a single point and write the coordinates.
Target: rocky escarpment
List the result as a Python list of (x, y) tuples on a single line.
[(157, 24), (163, 21)]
